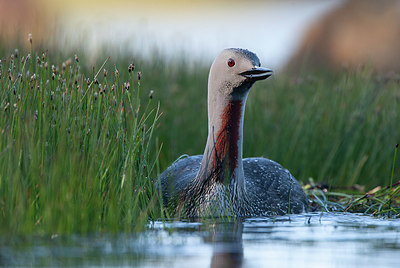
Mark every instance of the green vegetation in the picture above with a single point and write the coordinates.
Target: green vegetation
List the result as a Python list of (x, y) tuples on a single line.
[(338, 129), (379, 201), (75, 150), (79, 146)]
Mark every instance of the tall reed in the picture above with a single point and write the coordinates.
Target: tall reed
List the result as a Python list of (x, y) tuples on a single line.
[(76, 151)]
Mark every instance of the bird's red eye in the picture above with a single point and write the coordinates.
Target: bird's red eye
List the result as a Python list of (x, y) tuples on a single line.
[(231, 62)]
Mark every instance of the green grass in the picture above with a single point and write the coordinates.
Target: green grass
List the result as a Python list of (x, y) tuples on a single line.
[(379, 201), (77, 158), (335, 128), (75, 153)]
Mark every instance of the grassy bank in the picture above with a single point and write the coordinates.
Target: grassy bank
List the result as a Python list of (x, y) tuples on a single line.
[(74, 147)]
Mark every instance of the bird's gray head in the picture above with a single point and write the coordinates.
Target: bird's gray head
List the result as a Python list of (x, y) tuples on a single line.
[(234, 71)]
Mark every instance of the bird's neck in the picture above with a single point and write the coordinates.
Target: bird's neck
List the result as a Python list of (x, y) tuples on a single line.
[(222, 158)]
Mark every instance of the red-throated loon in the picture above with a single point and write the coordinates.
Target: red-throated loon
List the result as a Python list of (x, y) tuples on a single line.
[(220, 182)]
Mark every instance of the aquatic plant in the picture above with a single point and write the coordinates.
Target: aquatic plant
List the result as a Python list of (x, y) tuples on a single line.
[(74, 148), (379, 201)]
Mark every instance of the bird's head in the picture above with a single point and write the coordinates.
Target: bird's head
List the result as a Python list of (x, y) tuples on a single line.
[(234, 71)]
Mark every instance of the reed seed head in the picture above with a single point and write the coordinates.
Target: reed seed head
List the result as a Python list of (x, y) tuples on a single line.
[(131, 67), (139, 75), (30, 38), (151, 94), (127, 86)]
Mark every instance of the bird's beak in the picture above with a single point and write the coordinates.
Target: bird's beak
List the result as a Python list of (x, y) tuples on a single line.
[(257, 73)]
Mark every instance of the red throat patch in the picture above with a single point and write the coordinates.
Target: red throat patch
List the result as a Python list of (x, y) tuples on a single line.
[(226, 145)]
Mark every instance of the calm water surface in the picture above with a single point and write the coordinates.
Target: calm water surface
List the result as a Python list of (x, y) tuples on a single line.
[(308, 240)]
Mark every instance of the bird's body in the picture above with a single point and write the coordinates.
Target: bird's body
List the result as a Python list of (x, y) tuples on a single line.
[(268, 190), (219, 182)]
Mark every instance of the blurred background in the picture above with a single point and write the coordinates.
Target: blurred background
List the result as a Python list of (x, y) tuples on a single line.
[(284, 34)]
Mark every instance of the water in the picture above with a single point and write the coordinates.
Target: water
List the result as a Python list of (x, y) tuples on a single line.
[(308, 240)]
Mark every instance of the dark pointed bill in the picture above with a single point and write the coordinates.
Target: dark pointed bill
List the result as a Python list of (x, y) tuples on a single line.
[(257, 73)]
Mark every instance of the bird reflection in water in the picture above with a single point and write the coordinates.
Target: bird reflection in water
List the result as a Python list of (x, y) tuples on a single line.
[(228, 244)]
